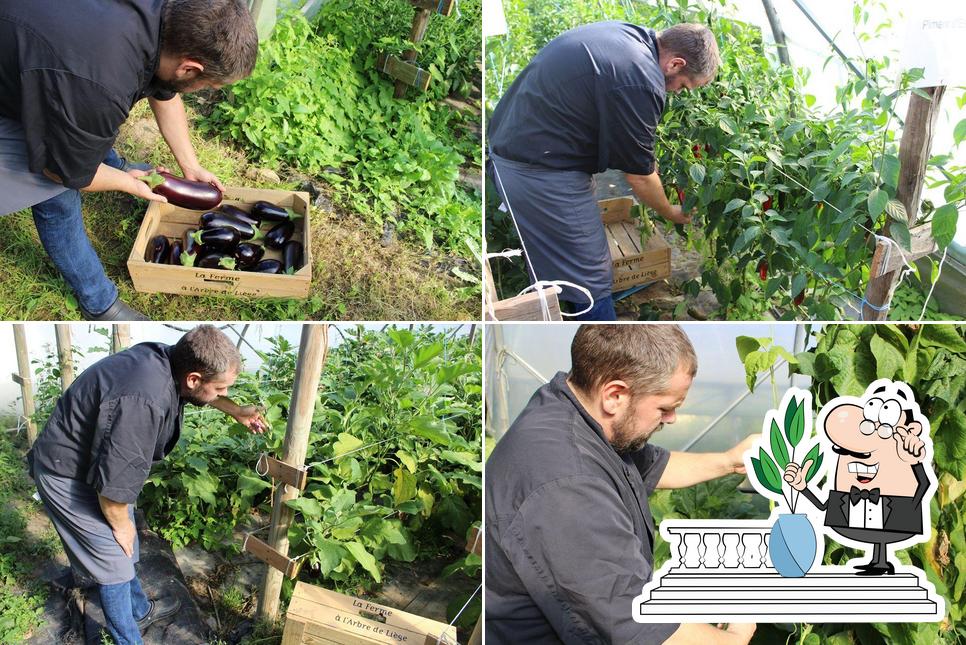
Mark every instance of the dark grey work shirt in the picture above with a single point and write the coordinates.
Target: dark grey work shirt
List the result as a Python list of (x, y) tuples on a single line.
[(70, 73), (590, 100), (120, 416), (569, 533)]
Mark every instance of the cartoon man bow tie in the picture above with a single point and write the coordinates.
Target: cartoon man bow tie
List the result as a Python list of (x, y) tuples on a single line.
[(880, 481)]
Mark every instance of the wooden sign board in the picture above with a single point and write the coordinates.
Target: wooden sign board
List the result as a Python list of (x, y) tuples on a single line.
[(317, 615), (283, 472), (442, 7), (405, 72)]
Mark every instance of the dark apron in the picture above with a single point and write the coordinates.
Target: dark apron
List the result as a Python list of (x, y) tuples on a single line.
[(20, 188)]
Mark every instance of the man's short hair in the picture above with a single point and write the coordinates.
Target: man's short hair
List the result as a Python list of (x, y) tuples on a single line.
[(643, 356), (219, 34), (206, 350), (694, 43)]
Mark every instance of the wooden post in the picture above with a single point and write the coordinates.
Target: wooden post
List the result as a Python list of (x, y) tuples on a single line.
[(914, 150), (25, 381), (418, 32), (120, 337), (313, 347), (65, 355)]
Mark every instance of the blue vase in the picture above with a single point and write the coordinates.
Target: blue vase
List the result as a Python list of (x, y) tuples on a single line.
[(792, 545)]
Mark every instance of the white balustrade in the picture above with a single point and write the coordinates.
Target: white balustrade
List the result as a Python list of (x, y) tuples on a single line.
[(728, 547)]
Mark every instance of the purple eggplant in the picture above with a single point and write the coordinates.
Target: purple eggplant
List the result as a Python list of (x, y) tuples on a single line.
[(189, 248), (214, 219), (268, 212), (247, 254), (238, 213), (223, 238), (194, 195), (174, 255), (158, 249), (292, 256), (279, 235), (267, 266), (216, 261)]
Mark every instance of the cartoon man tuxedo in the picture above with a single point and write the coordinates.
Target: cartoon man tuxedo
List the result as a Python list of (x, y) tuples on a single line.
[(880, 480)]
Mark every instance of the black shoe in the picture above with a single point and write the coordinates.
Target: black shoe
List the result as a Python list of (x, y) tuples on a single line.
[(875, 570), (117, 311), (164, 607), (864, 567)]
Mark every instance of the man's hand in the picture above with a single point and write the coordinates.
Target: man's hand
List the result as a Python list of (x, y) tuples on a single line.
[(124, 534), (250, 417), (795, 474), (141, 189), (198, 173), (677, 215), (736, 456), (743, 631), (910, 447)]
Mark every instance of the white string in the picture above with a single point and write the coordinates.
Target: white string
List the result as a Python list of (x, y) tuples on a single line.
[(443, 638), (542, 284), (251, 533), (505, 253), (263, 458)]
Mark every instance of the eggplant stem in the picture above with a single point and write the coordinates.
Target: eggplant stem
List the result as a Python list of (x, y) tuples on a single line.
[(153, 180)]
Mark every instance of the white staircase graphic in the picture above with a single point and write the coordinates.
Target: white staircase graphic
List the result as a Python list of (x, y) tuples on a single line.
[(720, 571)]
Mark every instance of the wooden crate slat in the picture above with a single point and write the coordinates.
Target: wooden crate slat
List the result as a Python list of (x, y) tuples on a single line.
[(633, 232), (405, 72), (527, 306)]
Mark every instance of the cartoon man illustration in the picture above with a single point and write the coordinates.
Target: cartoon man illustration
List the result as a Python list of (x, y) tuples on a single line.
[(880, 482)]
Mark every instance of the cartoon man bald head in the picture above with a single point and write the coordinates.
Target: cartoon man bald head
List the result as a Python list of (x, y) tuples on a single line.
[(877, 489)]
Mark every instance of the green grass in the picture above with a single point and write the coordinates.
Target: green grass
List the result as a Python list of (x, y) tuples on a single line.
[(354, 276)]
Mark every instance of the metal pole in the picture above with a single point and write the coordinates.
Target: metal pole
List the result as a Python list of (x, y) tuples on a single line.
[(65, 356), (313, 347), (26, 383), (777, 32)]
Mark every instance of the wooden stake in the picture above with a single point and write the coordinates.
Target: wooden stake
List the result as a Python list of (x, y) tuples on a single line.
[(313, 347), (120, 338), (65, 355), (26, 383), (914, 150), (418, 32)]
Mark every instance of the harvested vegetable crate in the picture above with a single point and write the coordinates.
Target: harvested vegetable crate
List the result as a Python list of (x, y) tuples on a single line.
[(634, 263), (171, 221), (317, 615)]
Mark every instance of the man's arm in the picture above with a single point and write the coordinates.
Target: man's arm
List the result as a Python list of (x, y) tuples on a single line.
[(117, 516), (173, 123), (111, 179), (700, 634), (247, 415), (690, 468), (650, 192)]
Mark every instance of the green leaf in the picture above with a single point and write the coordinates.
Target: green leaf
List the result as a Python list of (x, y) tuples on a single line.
[(890, 170), (900, 233), (345, 444), (959, 132), (347, 528), (427, 353), (429, 428), (697, 173), (762, 476), (364, 558), (799, 282), (815, 457), (249, 485), (945, 336), (308, 507), (725, 126), (889, 360), (897, 211), (778, 447), (404, 486), (328, 553), (877, 201), (944, 222), (746, 345), (796, 430), (407, 459), (734, 205), (203, 486), (747, 235), (467, 459), (790, 411)]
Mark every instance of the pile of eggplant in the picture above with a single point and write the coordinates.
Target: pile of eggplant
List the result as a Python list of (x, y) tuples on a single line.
[(230, 238)]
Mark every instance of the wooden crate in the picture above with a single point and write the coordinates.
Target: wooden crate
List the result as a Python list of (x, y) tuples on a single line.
[(171, 221), (317, 616), (633, 264)]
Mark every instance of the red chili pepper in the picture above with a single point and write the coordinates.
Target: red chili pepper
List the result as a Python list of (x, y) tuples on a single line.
[(800, 298), (767, 204), (707, 147), (763, 270), (696, 149), (680, 196)]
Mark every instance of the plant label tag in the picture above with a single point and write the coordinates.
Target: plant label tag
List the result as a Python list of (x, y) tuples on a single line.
[(861, 477)]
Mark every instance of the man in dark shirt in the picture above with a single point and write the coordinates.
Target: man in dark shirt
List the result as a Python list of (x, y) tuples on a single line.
[(569, 533), (70, 72), (122, 415), (588, 101)]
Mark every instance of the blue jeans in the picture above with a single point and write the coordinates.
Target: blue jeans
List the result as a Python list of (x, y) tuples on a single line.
[(124, 604), (60, 224), (603, 309)]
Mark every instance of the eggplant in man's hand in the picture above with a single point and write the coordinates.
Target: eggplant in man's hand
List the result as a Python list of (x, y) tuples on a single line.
[(158, 249), (194, 195), (268, 212), (214, 219), (223, 238), (292, 256), (279, 235)]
